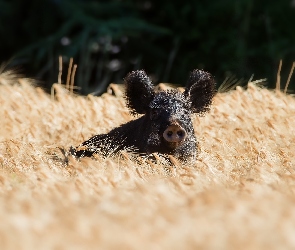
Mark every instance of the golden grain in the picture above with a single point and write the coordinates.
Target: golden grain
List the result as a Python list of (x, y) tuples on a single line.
[(239, 194)]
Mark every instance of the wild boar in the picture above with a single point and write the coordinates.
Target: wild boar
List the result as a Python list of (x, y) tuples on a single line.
[(165, 125)]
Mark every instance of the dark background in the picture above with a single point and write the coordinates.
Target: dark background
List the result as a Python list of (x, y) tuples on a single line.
[(167, 38)]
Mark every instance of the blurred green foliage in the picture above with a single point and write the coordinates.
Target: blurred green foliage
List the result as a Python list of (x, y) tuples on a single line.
[(167, 38)]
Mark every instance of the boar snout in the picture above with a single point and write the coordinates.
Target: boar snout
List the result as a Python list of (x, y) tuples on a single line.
[(174, 134)]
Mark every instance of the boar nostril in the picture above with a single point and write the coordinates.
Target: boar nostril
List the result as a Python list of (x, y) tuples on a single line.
[(174, 133), (169, 133), (180, 133)]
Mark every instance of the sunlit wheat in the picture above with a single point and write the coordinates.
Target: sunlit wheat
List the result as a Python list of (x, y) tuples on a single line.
[(239, 194)]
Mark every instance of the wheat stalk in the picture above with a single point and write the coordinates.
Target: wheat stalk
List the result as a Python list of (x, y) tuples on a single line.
[(69, 73), (73, 78), (59, 69), (289, 77), (278, 83)]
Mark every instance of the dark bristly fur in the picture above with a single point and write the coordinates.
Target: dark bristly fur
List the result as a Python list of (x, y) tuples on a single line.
[(162, 110)]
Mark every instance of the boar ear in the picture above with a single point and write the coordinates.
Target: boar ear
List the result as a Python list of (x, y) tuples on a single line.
[(139, 91), (200, 89)]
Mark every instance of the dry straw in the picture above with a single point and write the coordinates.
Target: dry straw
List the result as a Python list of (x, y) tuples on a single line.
[(73, 78), (70, 81), (59, 69), (289, 77), (278, 83), (69, 73), (239, 194)]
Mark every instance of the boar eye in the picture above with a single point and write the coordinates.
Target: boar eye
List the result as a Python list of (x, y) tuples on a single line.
[(154, 114)]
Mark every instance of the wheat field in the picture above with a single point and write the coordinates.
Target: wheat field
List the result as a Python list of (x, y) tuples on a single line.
[(239, 194)]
